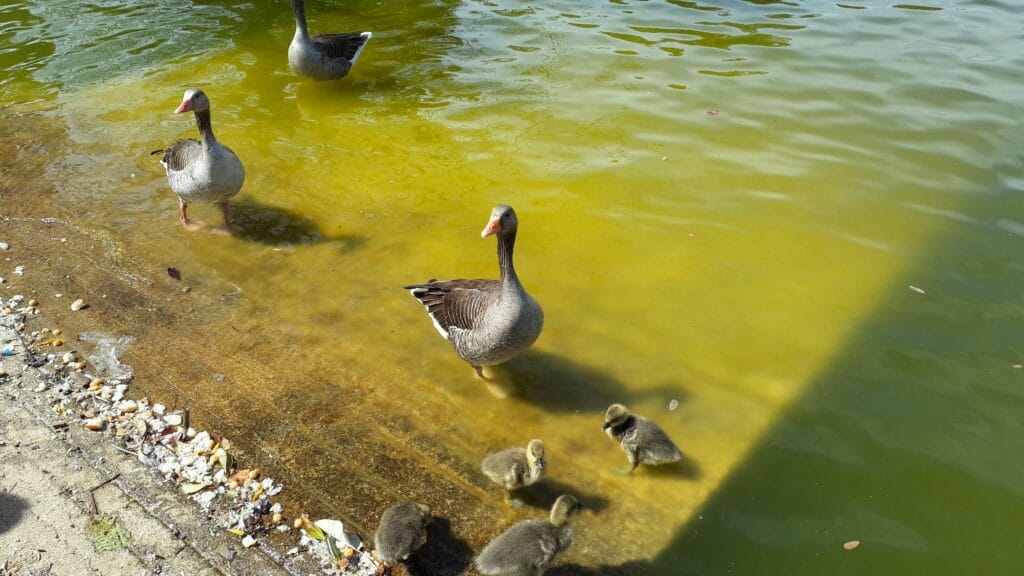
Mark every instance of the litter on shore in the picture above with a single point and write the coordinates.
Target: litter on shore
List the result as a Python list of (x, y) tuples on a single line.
[(198, 464)]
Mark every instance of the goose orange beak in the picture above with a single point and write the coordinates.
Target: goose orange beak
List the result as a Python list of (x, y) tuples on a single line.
[(493, 226), (186, 105)]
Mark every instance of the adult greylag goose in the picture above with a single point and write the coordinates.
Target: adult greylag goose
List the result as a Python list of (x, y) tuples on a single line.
[(530, 546), (325, 56), (203, 170), (488, 321)]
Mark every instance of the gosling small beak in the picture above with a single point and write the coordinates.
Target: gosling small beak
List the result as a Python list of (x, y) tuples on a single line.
[(606, 426), (186, 105), (493, 226), (540, 464)]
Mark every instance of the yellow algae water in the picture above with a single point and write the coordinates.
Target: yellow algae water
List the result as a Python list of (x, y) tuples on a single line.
[(724, 204)]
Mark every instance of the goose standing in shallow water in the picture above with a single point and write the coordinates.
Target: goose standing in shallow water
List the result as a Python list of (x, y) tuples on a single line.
[(488, 321), (325, 56), (203, 170)]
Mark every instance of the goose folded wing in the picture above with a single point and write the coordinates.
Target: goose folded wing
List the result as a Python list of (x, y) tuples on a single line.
[(339, 45), (458, 303), (181, 153)]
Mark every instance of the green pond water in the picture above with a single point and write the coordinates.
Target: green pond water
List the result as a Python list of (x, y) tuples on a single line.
[(802, 220)]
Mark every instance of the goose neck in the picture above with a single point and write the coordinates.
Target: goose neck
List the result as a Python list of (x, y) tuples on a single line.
[(506, 244), (205, 127), (300, 19)]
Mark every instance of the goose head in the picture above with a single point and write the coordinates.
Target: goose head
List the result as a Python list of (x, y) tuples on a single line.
[(565, 508), (193, 101), (503, 221), (615, 415), (535, 454)]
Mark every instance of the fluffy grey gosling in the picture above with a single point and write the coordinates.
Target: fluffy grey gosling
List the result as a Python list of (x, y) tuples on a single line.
[(530, 546), (516, 467), (402, 530), (642, 440)]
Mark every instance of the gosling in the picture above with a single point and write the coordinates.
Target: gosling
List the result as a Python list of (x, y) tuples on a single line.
[(642, 440), (530, 546), (402, 530), (515, 468)]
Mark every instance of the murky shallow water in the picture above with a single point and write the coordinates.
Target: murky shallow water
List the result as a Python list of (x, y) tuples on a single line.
[(722, 204)]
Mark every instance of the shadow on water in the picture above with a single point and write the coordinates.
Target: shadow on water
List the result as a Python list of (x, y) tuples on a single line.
[(558, 384), (543, 494), (278, 227), (444, 554), (12, 508), (909, 441)]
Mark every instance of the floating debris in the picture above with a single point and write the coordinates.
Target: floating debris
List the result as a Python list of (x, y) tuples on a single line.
[(673, 405), (173, 273), (4, 245), (106, 356), (78, 304), (916, 289), (19, 270), (851, 544)]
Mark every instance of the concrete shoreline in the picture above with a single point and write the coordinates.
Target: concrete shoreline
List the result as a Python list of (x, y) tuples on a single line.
[(72, 501), (53, 471)]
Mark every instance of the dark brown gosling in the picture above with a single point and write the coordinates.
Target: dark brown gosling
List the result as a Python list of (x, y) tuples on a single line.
[(642, 440), (402, 530), (515, 468), (530, 546)]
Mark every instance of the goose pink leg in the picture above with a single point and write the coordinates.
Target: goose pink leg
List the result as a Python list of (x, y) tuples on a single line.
[(183, 211)]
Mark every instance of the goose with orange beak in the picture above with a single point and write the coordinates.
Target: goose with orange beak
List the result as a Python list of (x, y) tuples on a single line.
[(487, 321), (203, 170)]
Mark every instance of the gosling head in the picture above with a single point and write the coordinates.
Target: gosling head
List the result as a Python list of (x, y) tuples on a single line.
[(194, 101), (565, 508), (535, 454), (615, 415), (503, 221), (425, 511)]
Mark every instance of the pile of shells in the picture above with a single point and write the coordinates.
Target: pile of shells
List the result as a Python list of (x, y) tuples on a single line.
[(201, 466)]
